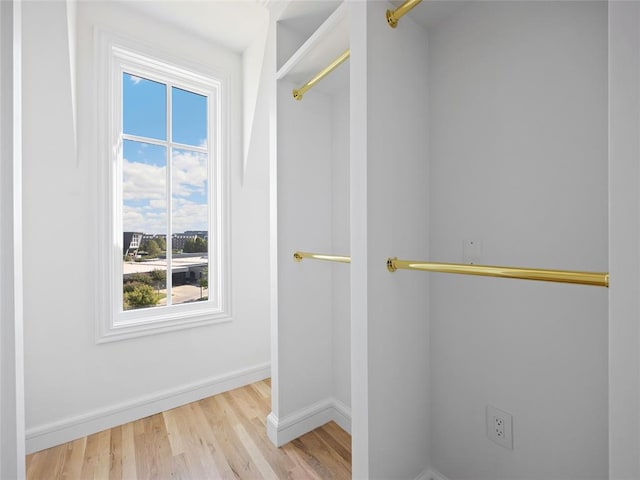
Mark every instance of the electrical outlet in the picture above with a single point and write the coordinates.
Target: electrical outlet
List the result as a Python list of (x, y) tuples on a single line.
[(500, 427)]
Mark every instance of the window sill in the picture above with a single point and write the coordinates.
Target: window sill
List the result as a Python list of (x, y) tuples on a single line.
[(155, 324)]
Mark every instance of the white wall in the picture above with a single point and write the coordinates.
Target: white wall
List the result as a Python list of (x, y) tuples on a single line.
[(11, 303), (304, 223), (341, 274), (358, 219), (389, 217), (254, 82), (74, 386), (518, 128), (624, 230)]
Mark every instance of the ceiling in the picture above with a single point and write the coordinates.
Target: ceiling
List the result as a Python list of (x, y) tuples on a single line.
[(232, 23), (235, 23)]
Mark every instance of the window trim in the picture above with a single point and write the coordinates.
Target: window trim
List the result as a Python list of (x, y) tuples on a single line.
[(114, 55)]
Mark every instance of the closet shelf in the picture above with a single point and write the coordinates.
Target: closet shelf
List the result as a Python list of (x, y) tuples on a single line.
[(327, 43)]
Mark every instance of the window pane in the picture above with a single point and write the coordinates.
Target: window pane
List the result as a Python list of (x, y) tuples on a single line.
[(189, 118), (144, 107), (144, 224), (190, 226)]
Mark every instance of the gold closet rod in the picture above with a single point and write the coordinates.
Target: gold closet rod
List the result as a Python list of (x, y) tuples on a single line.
[(299, 92), (401, 11), (298, 256), (392, 19), (600, 279)]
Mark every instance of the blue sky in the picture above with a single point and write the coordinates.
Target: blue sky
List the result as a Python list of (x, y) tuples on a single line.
[(145, 164)]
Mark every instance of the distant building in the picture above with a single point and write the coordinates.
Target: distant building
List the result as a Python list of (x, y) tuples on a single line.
[(177, 239), (152, 236), (204, 234), (131, 243)]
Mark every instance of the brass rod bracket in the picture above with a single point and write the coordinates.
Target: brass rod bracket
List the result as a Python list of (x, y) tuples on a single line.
[(391, 19), (297, 257), (391, 265), (394, 15), (297, 95)]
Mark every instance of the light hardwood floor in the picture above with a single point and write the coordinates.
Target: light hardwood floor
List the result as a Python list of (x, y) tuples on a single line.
[(221, 437)]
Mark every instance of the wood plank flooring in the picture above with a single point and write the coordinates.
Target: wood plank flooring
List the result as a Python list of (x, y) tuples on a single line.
[(220, 437)]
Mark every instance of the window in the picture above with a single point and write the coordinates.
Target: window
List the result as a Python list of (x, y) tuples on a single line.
[(162, 191)]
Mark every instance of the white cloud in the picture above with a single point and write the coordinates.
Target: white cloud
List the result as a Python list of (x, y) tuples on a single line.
[(145, 185), (190, 216), (142, 181), (189, 173), (135, 80), (158, 204), (132, 219), (137, 219)]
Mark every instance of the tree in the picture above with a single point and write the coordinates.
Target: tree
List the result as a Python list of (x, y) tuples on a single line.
[(162, 244), (140, 296), (131, 286), (139, 278), (159, 277), (189, 246), (204, 281), (195, 246), (152, 248), (201, 245)]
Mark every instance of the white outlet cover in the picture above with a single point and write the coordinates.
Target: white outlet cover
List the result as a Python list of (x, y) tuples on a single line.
[(471, 251), (506, 440)]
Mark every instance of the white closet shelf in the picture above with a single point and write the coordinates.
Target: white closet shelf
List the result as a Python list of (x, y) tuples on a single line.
[(327, 43)]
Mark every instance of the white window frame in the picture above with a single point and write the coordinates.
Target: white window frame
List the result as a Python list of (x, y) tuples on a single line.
[(116, 55)]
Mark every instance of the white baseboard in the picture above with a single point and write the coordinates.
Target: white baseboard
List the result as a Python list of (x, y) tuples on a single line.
[(432, 474), (282, 430), (68, 429), (342, 415), (424, 475)]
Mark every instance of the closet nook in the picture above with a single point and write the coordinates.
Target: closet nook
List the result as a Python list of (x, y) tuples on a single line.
[(312, 383), (474, 134)]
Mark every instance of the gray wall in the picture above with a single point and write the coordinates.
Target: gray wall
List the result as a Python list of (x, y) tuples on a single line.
[(624, 230), (518, 162), (11, 320)]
